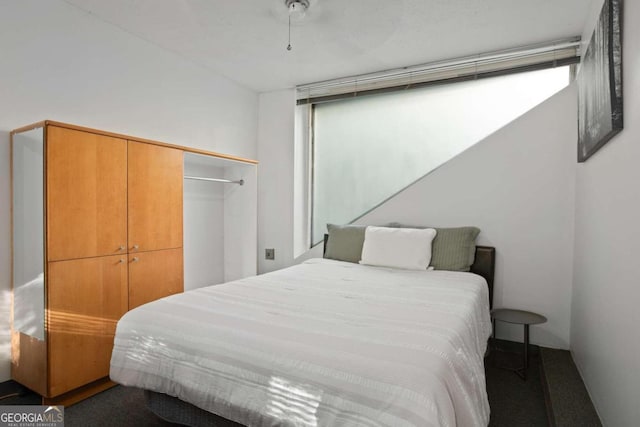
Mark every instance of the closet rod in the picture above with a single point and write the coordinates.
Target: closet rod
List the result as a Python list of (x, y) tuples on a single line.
[(226, 181)]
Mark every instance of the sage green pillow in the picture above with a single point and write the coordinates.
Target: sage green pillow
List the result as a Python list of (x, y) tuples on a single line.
[(453, 249), (345, 242)]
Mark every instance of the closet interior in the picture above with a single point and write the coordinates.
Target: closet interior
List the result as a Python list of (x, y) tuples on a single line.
[(220, 220)]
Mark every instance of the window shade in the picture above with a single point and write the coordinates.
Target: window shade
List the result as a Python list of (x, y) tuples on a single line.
[(529, 58)]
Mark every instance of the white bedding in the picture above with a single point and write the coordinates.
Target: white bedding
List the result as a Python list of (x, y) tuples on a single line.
[(323, 343)]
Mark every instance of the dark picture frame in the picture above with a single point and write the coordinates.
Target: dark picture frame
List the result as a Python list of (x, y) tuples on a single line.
[(600, 83)]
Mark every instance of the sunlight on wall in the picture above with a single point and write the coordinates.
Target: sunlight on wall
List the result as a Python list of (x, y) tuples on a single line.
[(28, 314), (5, 335), (28, 232)]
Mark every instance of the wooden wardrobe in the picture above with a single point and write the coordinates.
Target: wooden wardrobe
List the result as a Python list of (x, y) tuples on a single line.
[(97, 223)]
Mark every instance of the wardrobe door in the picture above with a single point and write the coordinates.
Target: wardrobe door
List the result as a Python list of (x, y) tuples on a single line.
[(86, 194), (86, 298), (154, 275), (155, 197)]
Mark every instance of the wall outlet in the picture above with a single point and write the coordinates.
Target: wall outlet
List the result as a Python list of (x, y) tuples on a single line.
[(269, 254)]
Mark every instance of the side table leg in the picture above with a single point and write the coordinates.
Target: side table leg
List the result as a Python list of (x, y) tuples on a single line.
[(526, 350)]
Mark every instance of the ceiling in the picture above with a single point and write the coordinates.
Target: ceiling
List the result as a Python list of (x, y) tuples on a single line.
[(245, 40)]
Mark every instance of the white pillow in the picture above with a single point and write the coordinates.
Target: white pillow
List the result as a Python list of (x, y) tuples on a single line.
[(407, 248)]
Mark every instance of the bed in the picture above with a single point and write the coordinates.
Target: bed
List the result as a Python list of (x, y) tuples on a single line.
[(322, 343)]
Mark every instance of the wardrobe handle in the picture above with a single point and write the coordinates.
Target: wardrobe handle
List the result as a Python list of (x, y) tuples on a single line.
[(121, 248), (135, 259), (136, 247), (121, 261)]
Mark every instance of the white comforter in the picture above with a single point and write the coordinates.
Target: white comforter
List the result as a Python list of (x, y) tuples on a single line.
[(324, 343)]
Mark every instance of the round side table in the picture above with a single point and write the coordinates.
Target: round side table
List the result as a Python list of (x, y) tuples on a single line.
[(519, 317)]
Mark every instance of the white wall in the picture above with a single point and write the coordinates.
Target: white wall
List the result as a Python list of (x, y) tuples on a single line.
[(517, 186), (606, 288), (220, 221), (28, 238), (60, 63), (275, 177), (240, 222)]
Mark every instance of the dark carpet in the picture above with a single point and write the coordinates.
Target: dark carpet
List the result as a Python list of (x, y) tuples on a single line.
[(570, 404), (118, 406), (513, 402)]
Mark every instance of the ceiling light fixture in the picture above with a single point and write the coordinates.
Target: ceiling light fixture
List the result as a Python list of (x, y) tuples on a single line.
[(297, 11)]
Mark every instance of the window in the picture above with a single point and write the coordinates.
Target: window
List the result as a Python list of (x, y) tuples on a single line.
[(366, 149)]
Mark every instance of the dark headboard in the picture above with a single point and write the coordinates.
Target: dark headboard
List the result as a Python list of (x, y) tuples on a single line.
[(484, 264)]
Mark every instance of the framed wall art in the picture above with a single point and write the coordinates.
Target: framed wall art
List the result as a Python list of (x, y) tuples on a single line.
[(600, 83)]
